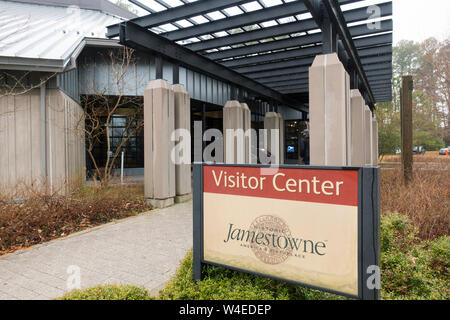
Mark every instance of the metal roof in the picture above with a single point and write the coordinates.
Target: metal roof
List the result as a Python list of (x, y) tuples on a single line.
[(271, 42), (44, 37)]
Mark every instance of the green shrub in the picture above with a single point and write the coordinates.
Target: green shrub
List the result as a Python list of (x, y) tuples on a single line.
[(109, 292), (412, 269), (224, 284)]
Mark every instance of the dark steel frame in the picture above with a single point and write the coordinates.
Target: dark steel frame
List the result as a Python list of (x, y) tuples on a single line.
[(134, 36), (368, 226), (358, 47)]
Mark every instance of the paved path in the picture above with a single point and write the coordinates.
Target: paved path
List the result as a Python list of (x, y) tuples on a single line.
[(144, 250)]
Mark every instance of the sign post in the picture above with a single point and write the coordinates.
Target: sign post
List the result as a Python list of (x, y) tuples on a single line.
[(312, 226)]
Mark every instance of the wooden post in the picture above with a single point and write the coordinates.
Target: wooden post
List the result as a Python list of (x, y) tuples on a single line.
[(407, 128)]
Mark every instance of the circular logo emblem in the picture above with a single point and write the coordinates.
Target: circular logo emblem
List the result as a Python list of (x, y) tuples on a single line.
[(274, 247)]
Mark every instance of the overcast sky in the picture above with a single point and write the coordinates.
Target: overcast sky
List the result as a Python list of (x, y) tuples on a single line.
[(420, 19), (413, 19)]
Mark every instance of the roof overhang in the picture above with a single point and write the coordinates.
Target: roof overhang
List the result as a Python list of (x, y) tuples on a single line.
[(54, 65), (275, 56)]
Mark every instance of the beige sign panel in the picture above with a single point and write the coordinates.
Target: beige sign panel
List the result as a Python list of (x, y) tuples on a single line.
[(298, 241), (310, 242)]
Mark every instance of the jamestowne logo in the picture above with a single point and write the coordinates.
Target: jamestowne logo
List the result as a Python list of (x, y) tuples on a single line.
[(271, 240)]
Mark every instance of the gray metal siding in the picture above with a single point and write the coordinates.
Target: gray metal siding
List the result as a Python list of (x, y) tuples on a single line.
[(95, 76), (68, 82)]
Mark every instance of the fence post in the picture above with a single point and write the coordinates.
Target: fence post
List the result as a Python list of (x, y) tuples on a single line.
[(407, 128)]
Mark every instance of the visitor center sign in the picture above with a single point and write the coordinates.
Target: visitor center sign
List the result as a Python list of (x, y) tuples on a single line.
[(313, 226)]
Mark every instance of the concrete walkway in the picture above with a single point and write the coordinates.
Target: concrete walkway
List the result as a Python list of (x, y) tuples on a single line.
[(144, 250)]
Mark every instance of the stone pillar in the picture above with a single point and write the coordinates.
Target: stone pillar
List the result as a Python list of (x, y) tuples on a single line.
[(374, 142), (233, 132), (247, 131), (329, 99), (272, 125), (281, 126), (357, 124), (159, 123), (368, 136), (183, 177)]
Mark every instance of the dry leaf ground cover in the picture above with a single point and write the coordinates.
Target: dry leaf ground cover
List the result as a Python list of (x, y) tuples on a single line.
[(43, 217)]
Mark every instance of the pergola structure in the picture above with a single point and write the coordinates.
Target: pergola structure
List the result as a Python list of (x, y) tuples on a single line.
[(330, 59), (267, 47)]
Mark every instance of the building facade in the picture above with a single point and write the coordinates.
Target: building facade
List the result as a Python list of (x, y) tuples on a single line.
[(59, 60)]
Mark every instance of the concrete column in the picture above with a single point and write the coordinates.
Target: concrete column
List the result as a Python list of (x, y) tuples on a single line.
[(281, 126), (329, 99), (183, 177), (272, 125), (247, 131), (233, 132), (159, 123), (357, 124), (374, 142), (368, 136)]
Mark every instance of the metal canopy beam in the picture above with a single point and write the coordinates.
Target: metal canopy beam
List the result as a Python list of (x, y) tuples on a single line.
[(281, 72), (356, 14), (289, 77), (383, 51), (379, 82), (274, 85), (288, 54), (260, 34), (386, 26), (303, 78), (386, 91), (305, 52), (177, 13), (379, 73), (293, 27), (295, 90), (292, 86), (287, 9), (379, 78), (264, 47), (275, 65), (383, 88), (378, 66), (377, 59), (374, 40), (375, 51), (302, 72), (137, 37)]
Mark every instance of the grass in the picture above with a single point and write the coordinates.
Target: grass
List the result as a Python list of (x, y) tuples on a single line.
[(413, 268), (43, 217), (426, 201), (109, 292), (429, 156)]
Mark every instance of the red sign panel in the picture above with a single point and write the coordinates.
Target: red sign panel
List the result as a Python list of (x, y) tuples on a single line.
[(319, 186)]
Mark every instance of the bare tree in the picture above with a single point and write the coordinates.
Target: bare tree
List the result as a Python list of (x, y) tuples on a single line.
[(100, 109), (14, 84)]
